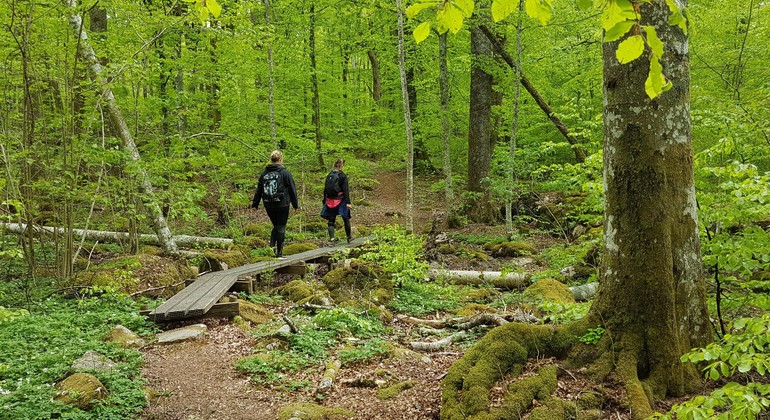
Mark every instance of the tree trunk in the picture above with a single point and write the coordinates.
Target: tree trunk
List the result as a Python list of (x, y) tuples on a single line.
[(314, 82), (271, 81), (480, 130), (376, 83), (514, 125), (651, 222), (579, 155), (446, 131), (145, 187), (407, 122)]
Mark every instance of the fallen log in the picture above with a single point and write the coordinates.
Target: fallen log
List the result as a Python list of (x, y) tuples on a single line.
[(482, 319), (436, 345), (109, 236), (332, 368), (507, 281)]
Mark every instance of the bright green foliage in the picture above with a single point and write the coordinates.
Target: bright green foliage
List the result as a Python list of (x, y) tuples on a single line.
[(560, 313), (417, 298), (592, 336), (398, 252), (269, 368), (38, 349), (344, 321), (746, 350), (364, 350)]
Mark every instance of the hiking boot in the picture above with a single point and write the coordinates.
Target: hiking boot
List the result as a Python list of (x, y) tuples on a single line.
[(350, 239), (334, 240)]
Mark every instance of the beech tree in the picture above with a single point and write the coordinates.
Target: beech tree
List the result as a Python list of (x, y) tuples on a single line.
[(651, 299)]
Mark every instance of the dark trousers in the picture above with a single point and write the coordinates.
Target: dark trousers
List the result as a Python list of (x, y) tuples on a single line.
[(278, 217)]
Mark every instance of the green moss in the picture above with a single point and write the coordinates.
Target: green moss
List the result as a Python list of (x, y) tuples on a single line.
[(359, 281), (465, 390), (258, 229), (254, 313), (81, 390), (254, 242), (510, 249), (474, 309), (550, 290), (296, 291), (590, 400), (393, 390), (292, 249), (474, 295), (215, 258), (309, 411), (447, 249)]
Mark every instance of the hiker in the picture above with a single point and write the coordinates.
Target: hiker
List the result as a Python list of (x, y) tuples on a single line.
[(337, 200), (276, 189)]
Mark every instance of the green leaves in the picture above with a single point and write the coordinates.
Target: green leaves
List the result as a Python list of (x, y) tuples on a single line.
[(656, 82), (205, 7), (421, 32), (501, 9), (416, 8), (630, 49), (584, 5), (539, 9)]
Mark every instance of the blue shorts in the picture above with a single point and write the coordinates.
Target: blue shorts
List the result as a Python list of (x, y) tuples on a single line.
[(341, 210)]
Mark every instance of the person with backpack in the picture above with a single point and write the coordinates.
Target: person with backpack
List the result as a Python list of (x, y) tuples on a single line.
[(276, 189), (337, 200)]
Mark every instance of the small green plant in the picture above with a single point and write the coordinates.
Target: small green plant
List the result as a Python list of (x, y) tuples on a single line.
[(398, 252), (343, 321), (592, 336), (269, 368), (364, 351), (746, 350), (417, 298), (563, 312)]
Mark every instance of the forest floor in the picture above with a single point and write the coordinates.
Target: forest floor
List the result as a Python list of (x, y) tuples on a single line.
[(197, 380)]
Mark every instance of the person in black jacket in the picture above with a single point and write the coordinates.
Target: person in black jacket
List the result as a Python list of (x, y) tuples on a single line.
[(337, 200), (276, 189)]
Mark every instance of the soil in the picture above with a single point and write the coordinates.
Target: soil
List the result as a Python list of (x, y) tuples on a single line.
[(197, 380)]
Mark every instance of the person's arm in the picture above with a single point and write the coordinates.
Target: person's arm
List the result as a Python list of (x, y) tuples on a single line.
[(258, 194), (292, 190)]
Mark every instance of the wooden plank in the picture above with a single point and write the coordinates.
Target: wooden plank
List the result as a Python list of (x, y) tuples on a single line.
[(199, 297), (299, 269), (219, 310)]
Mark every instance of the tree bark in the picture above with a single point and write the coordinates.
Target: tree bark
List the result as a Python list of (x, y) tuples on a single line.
[(446, 132), (376, 83), (651, 222), (145, 187), (510, 281), (407, 122), (314, 82), (514, 124), (481, 137), (579, 155)]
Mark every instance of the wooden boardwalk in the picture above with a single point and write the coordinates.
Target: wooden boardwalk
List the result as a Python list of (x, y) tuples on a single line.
[(200, 296)]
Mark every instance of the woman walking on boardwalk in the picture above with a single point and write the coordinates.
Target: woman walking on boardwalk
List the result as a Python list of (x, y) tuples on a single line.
[(337, 200), (276, 189)]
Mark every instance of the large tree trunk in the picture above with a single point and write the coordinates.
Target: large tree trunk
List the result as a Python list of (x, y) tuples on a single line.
[(407, 122), (376, 84), (145, 187), (314, 82), (446, 133), (652, 295), (480, 130)]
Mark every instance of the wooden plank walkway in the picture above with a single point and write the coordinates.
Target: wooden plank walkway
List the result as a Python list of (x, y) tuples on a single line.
[(201, 295)]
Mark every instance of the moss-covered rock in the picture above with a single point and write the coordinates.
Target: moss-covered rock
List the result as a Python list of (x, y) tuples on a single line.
[(253, 242), (395, 389), (124, 337), (510, 249), (359, 280), (474, 309), (550, 290), (219, 259), (81, 390), (309, 411), (258, 229), (292, 249), (256, 314), (475, 295), (296, 291), (137, 272)]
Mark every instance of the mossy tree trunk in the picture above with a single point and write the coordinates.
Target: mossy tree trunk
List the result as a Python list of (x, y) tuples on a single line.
[(652, 296), (652, 299)]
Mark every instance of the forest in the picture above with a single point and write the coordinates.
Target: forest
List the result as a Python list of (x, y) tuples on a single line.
[(560, 209)]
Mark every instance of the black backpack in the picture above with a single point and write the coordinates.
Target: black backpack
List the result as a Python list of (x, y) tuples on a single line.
[(333, 186), (273, 189)]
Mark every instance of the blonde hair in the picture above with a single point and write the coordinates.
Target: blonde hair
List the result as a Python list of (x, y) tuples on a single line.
[(276, 156), (338, 163)]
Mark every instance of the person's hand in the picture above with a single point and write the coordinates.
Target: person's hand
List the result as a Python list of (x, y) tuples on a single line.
[(350, 206)]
